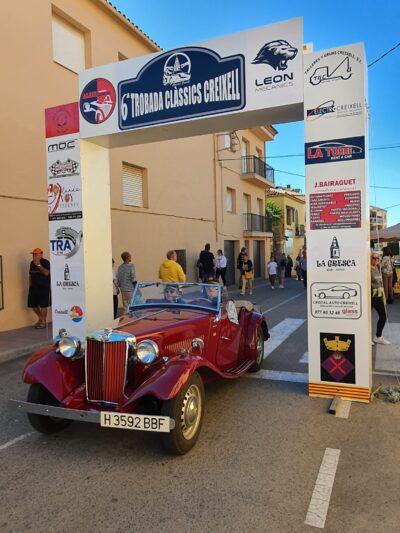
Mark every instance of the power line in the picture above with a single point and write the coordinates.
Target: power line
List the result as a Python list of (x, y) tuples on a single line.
[(384, 55)]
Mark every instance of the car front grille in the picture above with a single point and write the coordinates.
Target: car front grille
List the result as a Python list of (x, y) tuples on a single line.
[(105, 370)]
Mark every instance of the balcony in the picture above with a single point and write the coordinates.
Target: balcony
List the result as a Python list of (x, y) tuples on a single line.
[(256, 171), (300, 230), (256, 225)]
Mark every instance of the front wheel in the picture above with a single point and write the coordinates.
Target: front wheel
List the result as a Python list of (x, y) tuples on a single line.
[(44, 424), (187, 411), (260, 352)]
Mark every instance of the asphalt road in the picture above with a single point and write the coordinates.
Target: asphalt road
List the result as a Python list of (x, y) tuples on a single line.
[(254, 467)]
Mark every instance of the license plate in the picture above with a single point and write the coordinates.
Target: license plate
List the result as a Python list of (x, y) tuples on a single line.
[(160, 424)]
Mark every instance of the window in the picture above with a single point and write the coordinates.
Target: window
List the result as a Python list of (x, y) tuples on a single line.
[(68, 45), (230, 200), (246, 203), (289, 216), (132, 185), (1, 284), (260, 204)]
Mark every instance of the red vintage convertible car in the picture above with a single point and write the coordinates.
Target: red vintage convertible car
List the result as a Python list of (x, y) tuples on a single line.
[(147, 373)]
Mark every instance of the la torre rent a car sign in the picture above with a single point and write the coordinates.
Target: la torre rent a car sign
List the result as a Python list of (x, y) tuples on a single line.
[(246, 79)]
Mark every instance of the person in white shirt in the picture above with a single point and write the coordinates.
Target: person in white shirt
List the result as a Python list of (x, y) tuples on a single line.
[(221, 267), (272, 270)]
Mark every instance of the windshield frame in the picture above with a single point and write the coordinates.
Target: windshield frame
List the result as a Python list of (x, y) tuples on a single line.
[(140, 284)]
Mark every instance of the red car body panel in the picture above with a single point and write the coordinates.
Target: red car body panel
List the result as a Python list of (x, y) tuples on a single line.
[(227, 347)]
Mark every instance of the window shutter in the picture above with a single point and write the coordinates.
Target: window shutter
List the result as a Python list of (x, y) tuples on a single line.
[(229, 200), (68, 45), (132, 185)]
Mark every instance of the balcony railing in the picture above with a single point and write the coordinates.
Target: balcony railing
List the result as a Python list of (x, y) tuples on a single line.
[(300, 230), (253, 222), (254, 165)]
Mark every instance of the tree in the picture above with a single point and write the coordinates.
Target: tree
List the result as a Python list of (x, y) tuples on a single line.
[(273, 211)]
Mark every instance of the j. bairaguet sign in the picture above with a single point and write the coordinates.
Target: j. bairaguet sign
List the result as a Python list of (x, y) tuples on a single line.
[(234, 77), (337, 223)]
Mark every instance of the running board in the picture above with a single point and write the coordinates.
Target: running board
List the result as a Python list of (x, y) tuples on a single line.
[(239, 370)]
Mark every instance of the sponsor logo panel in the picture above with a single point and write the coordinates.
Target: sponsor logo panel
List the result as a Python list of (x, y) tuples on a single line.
[(330, 151), (73, 313), (62, 120), (333, 66), (64, 201), (275, 55), (336, 257), (334, 184), (335, 300), (330, 109), (187, 83), (337, 357), (65, 240), (335, 210)]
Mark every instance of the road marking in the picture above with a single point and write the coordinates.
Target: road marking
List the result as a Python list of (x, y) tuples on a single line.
[(304, 358), (282, 303), (277, 375), (280, 333), (14, 441), (319, 504)]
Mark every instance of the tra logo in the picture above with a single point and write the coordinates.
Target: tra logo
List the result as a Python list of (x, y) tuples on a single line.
[(342, 71), (276, 54), (67, 242), (97, 101), (177, 70)]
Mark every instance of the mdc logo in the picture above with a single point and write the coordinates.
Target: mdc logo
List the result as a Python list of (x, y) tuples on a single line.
[(335, 150), (97, 101), (63, 145), (76, 313), (276, 54), (67, 242)]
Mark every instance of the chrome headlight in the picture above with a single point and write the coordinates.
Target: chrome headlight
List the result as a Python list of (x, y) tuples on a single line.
[(147, 351), (69, 346)]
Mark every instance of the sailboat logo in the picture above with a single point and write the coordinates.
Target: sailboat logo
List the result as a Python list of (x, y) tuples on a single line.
[(343, 71), (177, 70)]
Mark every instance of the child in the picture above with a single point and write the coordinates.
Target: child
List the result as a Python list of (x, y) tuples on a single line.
[(247, 274), (272, 269)]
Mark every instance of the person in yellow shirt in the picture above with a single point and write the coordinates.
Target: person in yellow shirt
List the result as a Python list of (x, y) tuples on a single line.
[(171, 271)]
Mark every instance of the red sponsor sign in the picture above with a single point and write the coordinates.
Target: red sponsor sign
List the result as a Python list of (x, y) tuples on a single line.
[(62, 120), (335, 210)]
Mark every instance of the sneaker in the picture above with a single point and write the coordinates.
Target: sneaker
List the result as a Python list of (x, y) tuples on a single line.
[(251, 292), (272, 287), (281, 286), (381, 340), (242, 293)]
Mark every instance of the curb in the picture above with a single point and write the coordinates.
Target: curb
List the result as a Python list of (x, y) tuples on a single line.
[(16, 353)]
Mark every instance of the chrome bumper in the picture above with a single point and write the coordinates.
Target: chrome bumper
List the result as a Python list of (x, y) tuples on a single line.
[(57, 412)]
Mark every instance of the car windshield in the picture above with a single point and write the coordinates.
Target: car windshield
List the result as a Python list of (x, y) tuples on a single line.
[(191, 295)]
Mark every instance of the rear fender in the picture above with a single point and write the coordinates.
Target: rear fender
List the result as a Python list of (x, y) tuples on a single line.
[(167, 381), (57, 374), (255, 322)]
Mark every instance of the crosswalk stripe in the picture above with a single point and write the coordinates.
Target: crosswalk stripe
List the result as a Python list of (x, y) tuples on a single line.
[(280, 332)]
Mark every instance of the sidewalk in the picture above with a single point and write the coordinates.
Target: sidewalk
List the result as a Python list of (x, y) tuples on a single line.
[(23, 341)]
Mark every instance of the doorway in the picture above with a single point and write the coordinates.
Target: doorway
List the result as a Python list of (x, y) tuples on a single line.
[(229, 251), (257, 258)]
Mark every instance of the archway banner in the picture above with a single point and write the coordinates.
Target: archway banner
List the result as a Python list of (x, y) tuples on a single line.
[(339, 320), (241, 80)]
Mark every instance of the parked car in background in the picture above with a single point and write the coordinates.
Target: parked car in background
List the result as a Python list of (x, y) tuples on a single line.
[(148, 372)]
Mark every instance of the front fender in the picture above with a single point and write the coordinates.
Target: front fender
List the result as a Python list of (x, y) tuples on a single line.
[(56, 373), (167, 381)]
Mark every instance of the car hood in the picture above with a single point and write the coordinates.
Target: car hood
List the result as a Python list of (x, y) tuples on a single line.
[(163, 322)]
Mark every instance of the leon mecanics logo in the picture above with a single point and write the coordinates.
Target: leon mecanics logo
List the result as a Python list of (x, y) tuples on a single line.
[(276, 54), (97, 101)]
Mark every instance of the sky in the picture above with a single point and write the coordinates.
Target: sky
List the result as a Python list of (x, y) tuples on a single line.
[(326, 24)]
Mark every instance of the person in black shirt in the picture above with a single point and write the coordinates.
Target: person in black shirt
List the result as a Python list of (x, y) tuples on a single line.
[(239, 263), (39, 287), (206, 263)]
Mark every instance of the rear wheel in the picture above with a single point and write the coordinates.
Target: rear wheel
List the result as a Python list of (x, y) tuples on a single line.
[(45, 424), (260, 352), (187, 411)]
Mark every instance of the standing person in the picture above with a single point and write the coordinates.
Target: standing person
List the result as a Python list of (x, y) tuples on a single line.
[(115, 289), (289, 266), (170, 270), (126, 277), (247, 275), (387, 274), (39, 297), (272, 269), (377, 299), (239, 263), (298, 268), (303, 267), (207, 262), (282, 270), (221, 267)]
